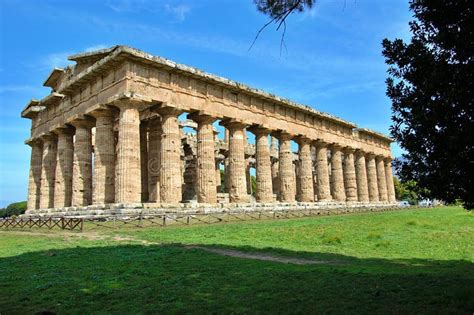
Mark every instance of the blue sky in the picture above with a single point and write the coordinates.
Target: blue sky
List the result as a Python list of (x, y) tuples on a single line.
[(333, 60)]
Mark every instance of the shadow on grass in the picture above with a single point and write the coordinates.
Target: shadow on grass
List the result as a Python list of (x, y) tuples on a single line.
[(173, 278)]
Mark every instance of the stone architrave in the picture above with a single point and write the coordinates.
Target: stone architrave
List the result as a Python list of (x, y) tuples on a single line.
[(82, 163), (236, 162), (306, 185), (381, 179), (64, 166), (154, 164), (263, 167), (144, 160), (128, 168), (48, 170), (286, 171), (103, 184), (372, 178), (389, 180), (171, 171), (206, 161), (337, 175), (322, 172), (361, 177), (350, 182), (34, 180)]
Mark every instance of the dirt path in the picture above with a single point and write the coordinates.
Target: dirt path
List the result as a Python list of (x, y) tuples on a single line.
[(94, 236)]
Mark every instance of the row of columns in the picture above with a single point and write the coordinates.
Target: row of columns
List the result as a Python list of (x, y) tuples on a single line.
[(144, 164)]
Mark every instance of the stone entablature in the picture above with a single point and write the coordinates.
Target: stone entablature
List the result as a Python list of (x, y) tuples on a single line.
[(115, 115)]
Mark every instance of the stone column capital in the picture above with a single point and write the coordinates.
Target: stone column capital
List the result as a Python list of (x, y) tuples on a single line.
[(380, 158), (103, 112), (388, 159), (201, 117), (34, 142), (166, 110), (320, 144), (82, 122), (233, 124), (301, 140), (259, 130), (63, 130), (348, 150), (283, 135), (48, 137), (335, 147)]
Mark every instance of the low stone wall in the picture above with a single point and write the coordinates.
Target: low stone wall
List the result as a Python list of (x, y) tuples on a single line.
[(151, 209)]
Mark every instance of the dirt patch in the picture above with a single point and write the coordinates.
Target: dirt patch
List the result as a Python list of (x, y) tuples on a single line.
[(262, 256)]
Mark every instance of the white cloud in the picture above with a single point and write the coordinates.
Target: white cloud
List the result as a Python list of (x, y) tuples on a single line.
[(96, 47), (178, 11), (56, 60)]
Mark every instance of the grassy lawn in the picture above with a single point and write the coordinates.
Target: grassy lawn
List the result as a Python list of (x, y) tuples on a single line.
[(419, 261)]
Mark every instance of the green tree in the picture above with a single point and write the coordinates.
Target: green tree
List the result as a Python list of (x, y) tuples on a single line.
[(431, 86), (15, 208)]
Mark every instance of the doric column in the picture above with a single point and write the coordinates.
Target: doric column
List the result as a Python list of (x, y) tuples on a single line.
[(287, 184), (350, 182), (64, 162), (322, 173), (34, 180), (389, 180), (103, 182), (263, 166), (337, 176), (218, 176), (144, 159), (170, 156), (361, 177), (372, 178), (82, 163), (381, 179), (276, 177), (205, 158), (128, 168), (306, 187), (48, 170), (236, 162), (154, 147), (248, 178)]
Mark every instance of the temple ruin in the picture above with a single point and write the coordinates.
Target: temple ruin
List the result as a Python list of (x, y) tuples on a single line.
[(108, 139)]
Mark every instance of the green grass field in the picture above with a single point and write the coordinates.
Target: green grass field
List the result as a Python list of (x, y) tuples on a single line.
[(414, 261)]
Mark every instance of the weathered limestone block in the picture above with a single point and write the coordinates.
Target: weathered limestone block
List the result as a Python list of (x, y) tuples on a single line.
[(154, 164), (287, 183), (144, 160), (236, 162), (171, 169), (64, 165), (206, 161), (350, 182), (103, 184), (389, 180), (337, 177), (128, 168), (82, 163), (381, 179), (263, 167), (34, 180), (361, 177), (305, 171), (323, 190), (48, 170), (372, 178)]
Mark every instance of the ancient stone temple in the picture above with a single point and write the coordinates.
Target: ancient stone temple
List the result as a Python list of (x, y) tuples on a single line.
[(111, 136)]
